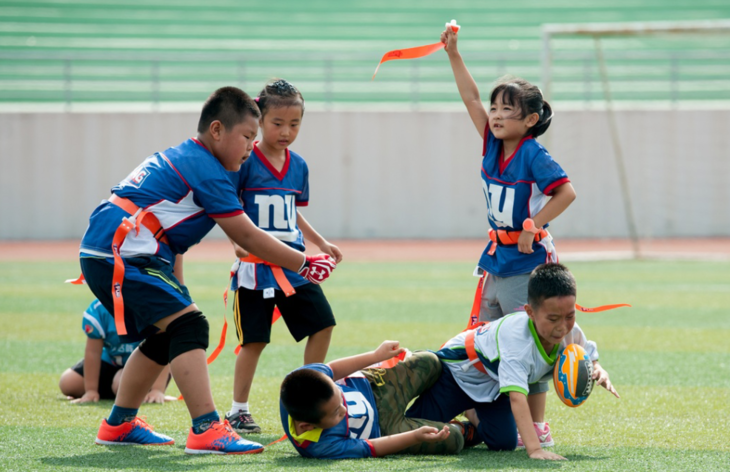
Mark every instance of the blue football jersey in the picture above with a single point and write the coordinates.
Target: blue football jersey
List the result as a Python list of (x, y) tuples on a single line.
[(270, 198), (349, 439), (517, 189), (185, 187), (98, 323)]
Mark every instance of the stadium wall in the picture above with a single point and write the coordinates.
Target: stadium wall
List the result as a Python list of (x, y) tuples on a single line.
[(388, 174)]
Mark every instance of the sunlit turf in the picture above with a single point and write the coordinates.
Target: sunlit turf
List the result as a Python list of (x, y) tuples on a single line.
[(668, 357)]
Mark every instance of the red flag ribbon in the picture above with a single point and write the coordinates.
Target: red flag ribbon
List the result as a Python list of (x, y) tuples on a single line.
[(600, 308), (414, 53)]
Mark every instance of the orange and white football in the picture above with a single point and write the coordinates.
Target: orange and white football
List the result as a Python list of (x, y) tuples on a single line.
[(572, 375)]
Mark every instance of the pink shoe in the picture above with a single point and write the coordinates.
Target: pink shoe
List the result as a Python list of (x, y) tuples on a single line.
[(543, 434)]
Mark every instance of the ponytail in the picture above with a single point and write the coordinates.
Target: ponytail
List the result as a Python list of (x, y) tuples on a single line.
[(543, 123)]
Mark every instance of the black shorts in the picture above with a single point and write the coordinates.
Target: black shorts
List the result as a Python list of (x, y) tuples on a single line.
[(305, 313), (150, 290), (106, 376)]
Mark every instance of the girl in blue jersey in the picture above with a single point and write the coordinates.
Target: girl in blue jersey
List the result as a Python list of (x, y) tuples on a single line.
[(272, 184), (525, 189)]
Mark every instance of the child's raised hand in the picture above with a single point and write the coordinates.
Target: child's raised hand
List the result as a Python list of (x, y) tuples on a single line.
[(601, 378), (430, 434), (388, 350), (90, 396), (449, 37)]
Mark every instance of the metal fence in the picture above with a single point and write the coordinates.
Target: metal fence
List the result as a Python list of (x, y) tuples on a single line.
[(155, 78)]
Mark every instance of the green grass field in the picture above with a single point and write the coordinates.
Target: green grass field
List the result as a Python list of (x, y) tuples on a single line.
[(669, 357)]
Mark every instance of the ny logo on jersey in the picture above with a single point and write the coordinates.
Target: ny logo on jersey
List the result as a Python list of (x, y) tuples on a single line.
[(276, 212), (500, 208)]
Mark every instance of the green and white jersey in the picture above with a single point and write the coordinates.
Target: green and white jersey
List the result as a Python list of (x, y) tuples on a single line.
[(510, 350)]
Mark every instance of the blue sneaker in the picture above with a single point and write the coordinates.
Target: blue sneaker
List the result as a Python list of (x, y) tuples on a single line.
[(136, 431), (220, 439)]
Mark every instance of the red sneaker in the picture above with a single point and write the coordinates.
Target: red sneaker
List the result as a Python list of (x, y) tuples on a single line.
[(136, 431), (220, 439)]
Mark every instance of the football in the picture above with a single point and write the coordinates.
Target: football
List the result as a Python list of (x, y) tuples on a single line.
[(572, 375)]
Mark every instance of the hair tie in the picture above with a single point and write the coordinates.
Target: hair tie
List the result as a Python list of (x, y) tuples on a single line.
[(256, 99)]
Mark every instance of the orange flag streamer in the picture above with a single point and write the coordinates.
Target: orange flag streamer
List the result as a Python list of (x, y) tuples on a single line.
[(410, 53), (414, 53), (600, 308)]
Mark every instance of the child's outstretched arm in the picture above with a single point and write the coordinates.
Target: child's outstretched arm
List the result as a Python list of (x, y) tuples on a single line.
[(561, 198), (397, 442), (465, 83), (347, 365), (523, 418), (243, 232), (601, 377), (92, 370), (311, 235)]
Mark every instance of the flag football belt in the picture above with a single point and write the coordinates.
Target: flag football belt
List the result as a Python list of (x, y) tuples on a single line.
[(471, 351), (502, 237), (278, 272), (138, 217)]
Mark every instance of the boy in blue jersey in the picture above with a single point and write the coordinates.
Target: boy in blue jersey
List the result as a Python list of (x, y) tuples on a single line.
[(273, 184), (487, 371), (97, 375), (345, 410), (131, 257)]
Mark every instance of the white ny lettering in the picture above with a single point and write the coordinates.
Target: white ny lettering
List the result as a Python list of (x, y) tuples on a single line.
[(283, 210), (493, 193)]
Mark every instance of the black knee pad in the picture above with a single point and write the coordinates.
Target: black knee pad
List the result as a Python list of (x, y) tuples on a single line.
[(157, 348), (187, 333)]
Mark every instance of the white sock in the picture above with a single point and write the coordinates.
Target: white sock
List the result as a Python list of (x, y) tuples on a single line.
[(236, 407)]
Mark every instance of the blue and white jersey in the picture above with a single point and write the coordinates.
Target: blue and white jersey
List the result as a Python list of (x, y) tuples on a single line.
[(350, 438), (98, 323), (516, 189), (512, 355), (270, 198), (185, 187)]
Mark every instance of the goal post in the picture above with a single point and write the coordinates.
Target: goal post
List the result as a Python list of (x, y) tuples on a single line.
[(599, 31)]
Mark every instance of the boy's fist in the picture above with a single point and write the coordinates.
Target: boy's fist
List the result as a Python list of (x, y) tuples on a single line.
[(317, 268), (388, 350)]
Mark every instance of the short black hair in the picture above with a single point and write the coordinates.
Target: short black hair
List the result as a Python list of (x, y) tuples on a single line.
[(279, 93), (304, 393), (230, 106), (548, 281), (528, 98)]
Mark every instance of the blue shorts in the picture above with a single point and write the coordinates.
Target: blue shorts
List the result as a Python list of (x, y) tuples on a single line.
[(150, 290), (445, 399)]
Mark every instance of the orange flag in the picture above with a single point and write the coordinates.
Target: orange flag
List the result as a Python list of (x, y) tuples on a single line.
[(415, 53), (600, 308)]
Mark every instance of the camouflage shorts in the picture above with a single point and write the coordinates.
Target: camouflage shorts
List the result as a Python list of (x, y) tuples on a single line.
[(395, 388)]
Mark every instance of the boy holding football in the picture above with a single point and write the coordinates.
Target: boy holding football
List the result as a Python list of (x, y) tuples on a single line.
[(487, 370)]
